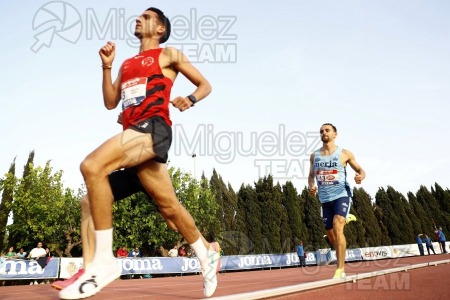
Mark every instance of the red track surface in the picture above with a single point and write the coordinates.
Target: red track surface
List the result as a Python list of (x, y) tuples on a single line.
[(430, 282)]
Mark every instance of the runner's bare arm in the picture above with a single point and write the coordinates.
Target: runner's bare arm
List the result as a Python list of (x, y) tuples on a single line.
[(182, 64), (111, 91), (350, 159), (311, 180)]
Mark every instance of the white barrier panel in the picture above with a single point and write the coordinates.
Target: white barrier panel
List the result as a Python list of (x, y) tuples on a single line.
[(69, 266)]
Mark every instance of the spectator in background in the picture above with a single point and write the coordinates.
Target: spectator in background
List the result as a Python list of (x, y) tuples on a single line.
[(173, 252), (37, 252), (436, 235), (10, 253), (429, 244), (441, 239), (21, 254), (122, 252), (182, 251), (301, 255), (420, 243), (135, 253)]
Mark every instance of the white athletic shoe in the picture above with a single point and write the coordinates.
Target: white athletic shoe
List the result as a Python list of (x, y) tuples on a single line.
[(95, 278), (209, 273)]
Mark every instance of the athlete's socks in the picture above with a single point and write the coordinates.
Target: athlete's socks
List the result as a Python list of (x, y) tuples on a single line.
[(103, 246), (200, 250)]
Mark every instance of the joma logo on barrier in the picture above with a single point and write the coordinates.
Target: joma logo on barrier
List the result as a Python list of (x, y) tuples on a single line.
[(190, 264), (12, 267), (259, 260), (292, 258), (141, 264)]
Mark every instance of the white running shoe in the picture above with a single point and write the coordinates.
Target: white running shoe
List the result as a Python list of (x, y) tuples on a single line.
[(95, 278), (209, 273)]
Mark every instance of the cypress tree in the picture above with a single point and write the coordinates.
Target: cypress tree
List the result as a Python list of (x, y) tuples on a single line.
[(426, 224), (249, 197), (431, 206), (270, 213), (7, 185), (14, 238), (404, 224), (385, 238), (362, 203), (286, 240), (313, 221), (389, 216), (293, 204), (243, 241)]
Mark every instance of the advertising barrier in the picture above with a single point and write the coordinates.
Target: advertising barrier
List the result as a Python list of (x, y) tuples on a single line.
[(28, 269), (66, 267)]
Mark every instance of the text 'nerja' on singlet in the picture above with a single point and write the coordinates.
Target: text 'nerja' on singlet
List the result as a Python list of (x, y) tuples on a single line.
[(331, 176), (145, 91)]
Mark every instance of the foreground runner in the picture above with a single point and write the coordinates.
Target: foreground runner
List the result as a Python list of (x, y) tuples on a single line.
[(328, 167), (143, 84), (124, 183)]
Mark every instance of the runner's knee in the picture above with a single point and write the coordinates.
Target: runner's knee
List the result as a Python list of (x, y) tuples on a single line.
[(91, 168)]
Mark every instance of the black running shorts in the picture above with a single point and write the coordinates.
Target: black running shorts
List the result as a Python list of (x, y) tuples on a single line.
[(125, 183), (161, 134)]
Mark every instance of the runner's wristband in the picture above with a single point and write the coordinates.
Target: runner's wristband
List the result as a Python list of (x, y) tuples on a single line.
[(193, 99)]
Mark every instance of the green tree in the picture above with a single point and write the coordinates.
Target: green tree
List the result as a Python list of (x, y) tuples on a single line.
[(149, 230), (405, 225), (243, 243), (426, 224), (443, 199), (431, 206), (293, 204), (249, 198), (227, 200), (389, 217), (286, 239), (385, 238), (362, 203), (44, 211), (313, 221), (7, 186), (270, 204)]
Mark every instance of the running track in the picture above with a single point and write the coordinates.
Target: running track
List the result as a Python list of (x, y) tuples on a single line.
[(420, 277)]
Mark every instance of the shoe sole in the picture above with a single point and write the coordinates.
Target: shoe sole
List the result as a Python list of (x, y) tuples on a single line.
[(93, 292), (57, 287)]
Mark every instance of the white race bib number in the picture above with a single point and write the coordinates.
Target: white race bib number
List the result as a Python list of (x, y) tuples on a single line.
[(327, 177), (133, 92)]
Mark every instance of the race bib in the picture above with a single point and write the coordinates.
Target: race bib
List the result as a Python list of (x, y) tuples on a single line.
[(327, 177), (133, 92)]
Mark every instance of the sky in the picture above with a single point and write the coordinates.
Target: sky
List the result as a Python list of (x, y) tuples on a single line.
[(378, 70)]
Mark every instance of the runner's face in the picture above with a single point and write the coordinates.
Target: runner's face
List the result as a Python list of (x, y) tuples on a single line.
[(327, 133), (146, 24)]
